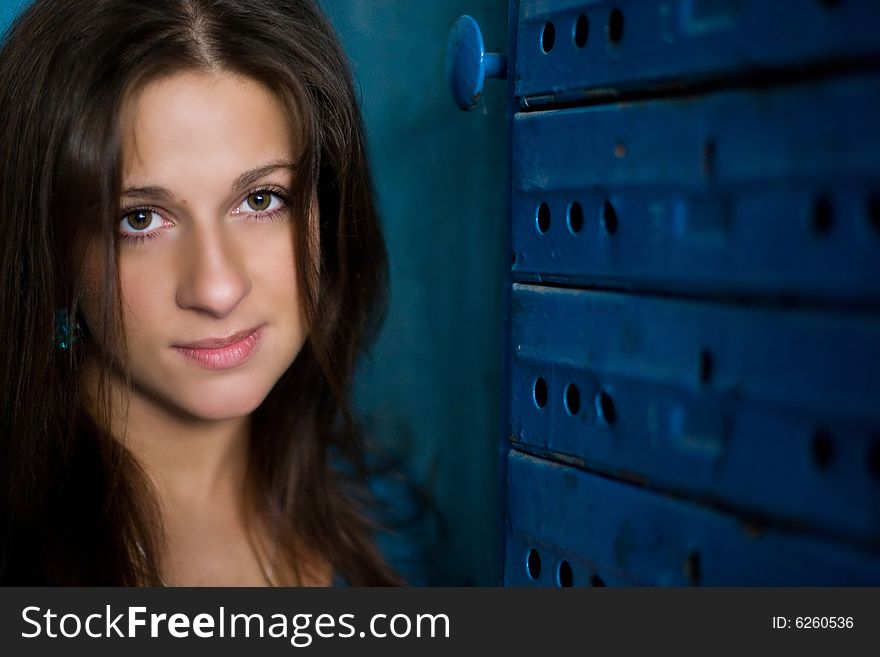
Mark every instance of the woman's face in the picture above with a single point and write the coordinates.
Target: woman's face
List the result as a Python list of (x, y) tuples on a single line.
[(206, 256)]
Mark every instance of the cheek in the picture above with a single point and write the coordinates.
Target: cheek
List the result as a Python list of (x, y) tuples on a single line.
[(138, 302), (275, 269), (146, 301), (277, 283)]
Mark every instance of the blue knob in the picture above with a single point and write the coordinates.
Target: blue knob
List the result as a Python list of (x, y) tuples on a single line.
[(467, 63)]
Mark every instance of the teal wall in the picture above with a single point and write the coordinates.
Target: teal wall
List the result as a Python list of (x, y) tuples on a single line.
[(8, 9), (434, 379), (432, 384)]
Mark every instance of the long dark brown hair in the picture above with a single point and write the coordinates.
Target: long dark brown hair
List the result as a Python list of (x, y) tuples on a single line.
[(76, 507)]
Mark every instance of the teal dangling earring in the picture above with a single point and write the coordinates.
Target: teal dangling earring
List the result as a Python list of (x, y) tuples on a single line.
[(65, 332)]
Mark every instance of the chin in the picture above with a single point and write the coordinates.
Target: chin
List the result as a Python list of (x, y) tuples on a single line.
[(217, 400), (223, 406), (219, 412)]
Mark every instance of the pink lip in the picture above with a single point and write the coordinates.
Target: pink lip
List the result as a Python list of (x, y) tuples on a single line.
[(222, 353)]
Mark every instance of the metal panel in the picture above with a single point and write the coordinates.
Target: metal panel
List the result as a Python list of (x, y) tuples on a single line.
[(611, 533), (708, 172), (741, 192), (575, 50), (773, 412)]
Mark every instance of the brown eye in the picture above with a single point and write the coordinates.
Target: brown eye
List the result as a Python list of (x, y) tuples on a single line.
[(138, 220), (259, 201), (261, 205)]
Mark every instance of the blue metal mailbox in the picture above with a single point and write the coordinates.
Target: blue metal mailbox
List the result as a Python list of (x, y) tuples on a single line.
[(693, 357)]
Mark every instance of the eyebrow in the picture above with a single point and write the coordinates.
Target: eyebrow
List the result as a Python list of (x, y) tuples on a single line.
[(248, 178), (243, 181)]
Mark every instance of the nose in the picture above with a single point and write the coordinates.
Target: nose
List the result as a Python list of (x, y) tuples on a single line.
[(214, 279)]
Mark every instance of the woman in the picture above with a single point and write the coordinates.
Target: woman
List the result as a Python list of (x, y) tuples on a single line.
[(190, 263)]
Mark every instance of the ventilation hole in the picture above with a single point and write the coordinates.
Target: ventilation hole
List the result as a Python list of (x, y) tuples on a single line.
[(823, 448), (615, 26), (609, 218), (874, 459), (548, 37), (708, 158), (595, 580), (533, 564), (692, 568), (575, 218), (543, 218), (572, 399), (823, 216), (874, 212), (541, 392), (565, 577), (605, 407), (581, 31), (705, 366)]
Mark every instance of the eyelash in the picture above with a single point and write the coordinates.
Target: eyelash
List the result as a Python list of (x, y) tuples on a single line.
[(264, 216)]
